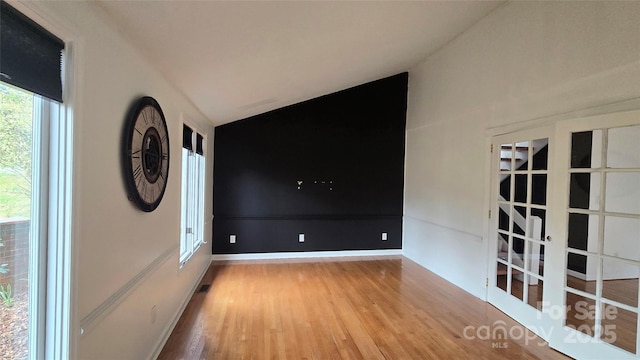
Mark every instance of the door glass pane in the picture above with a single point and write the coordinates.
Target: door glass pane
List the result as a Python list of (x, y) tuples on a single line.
[(582, 272), (522, 156), (623, 149), (519, 220), (583, 232), (584, 191), (620, 281), (540, 154), (506, 157), (623, 193), (580, 313), (535, 257), (581, 149), (517, 256), (534, 297), (619, 327), (541, 257), (621, 237), (503, 247), (596, 151), (537, 222), (505, 187), (501, 276), (520, 188), (517, 283), (16, 114), (539, 189), (586, 149), (504, 217)]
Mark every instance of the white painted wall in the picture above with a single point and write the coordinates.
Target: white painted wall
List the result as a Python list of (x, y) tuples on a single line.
[(114, 243), (526, 60)]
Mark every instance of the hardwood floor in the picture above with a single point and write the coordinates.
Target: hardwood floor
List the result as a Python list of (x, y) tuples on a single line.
[(378, 308)]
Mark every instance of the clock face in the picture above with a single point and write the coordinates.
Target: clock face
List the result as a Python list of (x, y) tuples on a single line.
[(146, 154)]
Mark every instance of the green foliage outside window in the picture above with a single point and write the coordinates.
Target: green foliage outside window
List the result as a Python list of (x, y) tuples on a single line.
[(16, 108)]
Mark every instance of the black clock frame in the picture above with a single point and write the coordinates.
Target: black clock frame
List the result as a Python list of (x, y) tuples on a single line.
[(149, 158)]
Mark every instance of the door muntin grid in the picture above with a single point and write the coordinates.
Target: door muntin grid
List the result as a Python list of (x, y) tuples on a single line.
[(521, 209), (603, 237)]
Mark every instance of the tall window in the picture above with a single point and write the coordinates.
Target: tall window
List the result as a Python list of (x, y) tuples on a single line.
[(16, 159), (34, 177), (193, 177)]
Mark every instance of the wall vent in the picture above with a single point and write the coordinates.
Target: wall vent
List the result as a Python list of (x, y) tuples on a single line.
[(204, 288)]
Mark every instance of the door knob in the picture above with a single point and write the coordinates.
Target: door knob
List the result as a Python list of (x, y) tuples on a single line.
[(549, 238)]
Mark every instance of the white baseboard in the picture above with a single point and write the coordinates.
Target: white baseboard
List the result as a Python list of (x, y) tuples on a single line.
[(303, 255)]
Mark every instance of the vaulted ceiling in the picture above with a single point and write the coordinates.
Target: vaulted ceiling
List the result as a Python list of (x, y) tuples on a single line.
[(235, 59)]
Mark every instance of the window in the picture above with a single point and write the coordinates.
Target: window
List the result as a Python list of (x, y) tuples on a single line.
[(35, 191), (193, 171), (27, 157)]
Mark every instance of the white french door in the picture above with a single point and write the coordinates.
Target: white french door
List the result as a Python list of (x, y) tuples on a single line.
[(519, 226), (565, 233), (595, 302)]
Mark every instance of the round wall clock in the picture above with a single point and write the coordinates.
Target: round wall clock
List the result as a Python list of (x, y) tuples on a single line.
[(146, 154)]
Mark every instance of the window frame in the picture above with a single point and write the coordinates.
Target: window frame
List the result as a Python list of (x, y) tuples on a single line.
[(49, 265), (193, 191)]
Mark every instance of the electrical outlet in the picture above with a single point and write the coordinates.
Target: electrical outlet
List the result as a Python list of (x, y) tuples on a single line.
[(384, 236), (301, 238), (232, 239)]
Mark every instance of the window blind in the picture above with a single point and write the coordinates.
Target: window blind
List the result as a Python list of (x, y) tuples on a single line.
[(199, 144), (30, 56), (187, 137)]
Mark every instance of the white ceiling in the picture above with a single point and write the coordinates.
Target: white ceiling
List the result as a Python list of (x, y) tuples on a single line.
[(237, 59)]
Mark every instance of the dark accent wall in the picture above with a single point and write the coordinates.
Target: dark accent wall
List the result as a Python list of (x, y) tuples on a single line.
[(331, 168)]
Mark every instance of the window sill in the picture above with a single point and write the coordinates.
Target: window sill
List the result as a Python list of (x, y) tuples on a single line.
[(186, 260)]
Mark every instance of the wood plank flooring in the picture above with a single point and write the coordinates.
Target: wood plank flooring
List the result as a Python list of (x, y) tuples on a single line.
[(372, 308)]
